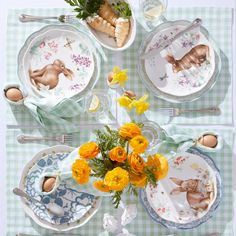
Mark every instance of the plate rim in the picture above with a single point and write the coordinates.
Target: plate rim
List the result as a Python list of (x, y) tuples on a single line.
[(96, 59), (169, 97), (172, 225), (84, 219)]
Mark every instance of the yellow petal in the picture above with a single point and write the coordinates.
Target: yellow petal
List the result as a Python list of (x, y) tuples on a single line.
[(124, 101)]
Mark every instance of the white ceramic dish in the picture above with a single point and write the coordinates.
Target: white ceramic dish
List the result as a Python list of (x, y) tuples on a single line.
[(158, 74), (109, 42), (79, 207), (58, 60), (189, 195)]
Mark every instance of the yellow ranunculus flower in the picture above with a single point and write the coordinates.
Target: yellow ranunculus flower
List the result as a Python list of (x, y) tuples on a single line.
[(139, 181), (81, 171), (139, 144), (124, 101), (118, 154), (140, 105), (89, 150), (99, 184), (136, 162), (129, 130), (158, 164), (119, 76), (117, 179)]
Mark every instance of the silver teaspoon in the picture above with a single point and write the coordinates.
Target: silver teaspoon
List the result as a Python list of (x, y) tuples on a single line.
[(51, 207), (30, 18)]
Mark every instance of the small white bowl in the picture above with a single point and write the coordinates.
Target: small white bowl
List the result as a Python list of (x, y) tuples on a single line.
[(109, 42), (8, 86)]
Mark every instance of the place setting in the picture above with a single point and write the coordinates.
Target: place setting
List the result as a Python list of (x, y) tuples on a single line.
[(95, 99)]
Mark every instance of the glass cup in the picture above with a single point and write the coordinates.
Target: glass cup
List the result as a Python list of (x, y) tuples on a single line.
[(153, 132), (104, 103), (152, 11)]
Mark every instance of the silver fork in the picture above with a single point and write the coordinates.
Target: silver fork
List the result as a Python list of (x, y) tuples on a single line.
[(30, 138), (177, 112), (61, 18)]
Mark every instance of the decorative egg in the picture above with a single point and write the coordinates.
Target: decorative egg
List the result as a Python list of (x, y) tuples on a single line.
[(13, 94), (208, 140), (110, 76), (130, 94), (48, 184)]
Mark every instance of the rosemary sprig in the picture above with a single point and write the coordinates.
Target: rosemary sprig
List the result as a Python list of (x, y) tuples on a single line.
[(150, 176), (116, 198)]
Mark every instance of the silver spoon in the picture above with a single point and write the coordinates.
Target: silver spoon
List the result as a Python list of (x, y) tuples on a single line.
[(51, 207), (61, 18)]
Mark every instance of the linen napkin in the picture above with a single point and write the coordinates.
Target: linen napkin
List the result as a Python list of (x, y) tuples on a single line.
[(53, 108)]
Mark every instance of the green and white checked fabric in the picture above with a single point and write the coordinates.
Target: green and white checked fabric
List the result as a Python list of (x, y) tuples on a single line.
[(18, 155), (218, 21), (17, 33)]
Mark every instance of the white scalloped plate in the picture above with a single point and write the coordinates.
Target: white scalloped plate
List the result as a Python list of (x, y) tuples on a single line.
[(63, 49), (189, 195), (78, 207)]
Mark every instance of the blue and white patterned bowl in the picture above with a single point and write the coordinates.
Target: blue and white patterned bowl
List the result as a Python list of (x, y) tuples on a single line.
[(78, 207), (170, 205)]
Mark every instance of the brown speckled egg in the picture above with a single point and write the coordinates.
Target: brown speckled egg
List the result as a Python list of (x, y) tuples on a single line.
[(130, 94), (208, 140), (14, 94), (110, 76), (48, 184)]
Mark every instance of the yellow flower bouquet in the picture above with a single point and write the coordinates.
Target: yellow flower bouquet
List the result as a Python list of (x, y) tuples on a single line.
[(118, 162)]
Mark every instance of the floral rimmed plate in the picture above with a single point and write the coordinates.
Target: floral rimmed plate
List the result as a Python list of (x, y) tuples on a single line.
[(164, 78), (58, 60), (189, 195), (78, 207)]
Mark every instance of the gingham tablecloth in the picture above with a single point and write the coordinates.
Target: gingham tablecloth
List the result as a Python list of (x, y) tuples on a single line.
[(218, 21), (17, 33), (18, 155)]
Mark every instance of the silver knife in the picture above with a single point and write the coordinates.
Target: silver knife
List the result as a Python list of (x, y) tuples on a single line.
[(197, 22)]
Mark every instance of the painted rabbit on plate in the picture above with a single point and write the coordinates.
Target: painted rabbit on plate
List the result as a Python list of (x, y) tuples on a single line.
[(195, 57), (49, 74), (198, 194)]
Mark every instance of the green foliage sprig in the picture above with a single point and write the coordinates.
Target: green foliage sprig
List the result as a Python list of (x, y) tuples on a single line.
[(122, 9), (85, 8)]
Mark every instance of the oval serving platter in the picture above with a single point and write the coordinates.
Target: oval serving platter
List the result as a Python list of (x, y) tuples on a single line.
[(188, 196), (165, 78), (78, 207), (109, 42), (58, 60)]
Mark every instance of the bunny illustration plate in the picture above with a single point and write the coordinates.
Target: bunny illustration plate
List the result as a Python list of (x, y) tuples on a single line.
[(189, 195), (183, 71), (78, 207), (58, 60)]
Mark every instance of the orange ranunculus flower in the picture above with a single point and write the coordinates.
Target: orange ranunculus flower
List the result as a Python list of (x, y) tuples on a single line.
[(139, 181), (118, 154), (139, 144), (116, 179), (136, 162), (81, 171), (129, 130), (99, 184), (89, 150), (158, 164)]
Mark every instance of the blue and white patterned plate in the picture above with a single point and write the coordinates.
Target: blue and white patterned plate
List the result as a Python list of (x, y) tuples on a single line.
[(189, 195), (78, 207)]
